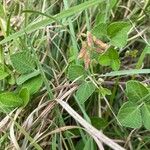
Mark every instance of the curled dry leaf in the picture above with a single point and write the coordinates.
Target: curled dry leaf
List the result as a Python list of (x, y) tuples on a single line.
[(92, 43), (87, 60), (89, 39), (85, 55), (83, 50), (103, 46)]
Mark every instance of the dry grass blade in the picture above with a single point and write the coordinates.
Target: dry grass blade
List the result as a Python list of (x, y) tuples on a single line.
[(12, 131), (88, 127), (4, 121)]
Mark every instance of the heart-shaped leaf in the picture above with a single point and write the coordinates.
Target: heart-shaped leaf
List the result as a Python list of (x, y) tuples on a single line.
[(130, 116), (136, 91), (118, 33)]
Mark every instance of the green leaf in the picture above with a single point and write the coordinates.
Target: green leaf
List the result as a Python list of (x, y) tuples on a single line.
[(130, 116), (33, 84), (100, 18), (23, 62), (110, 58), (9, 101), (84, 91), (146, 116), (24, 95), (118, 33), (104, 91), (25, 77), (136, 91), (63, 14), (3, 73), (99, 123), (100, 30), (76, 71)]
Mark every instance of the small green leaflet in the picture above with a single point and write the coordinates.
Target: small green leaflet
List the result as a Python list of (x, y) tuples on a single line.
[(100, 30), (100, 27), (110, 58), (136, 91), (24, 95), (3, 73), (9, 101), (130, 116), (23, 62), (98, 123), (84, 91), (76, 71), (118, 33), (104, 91), (33, 84)]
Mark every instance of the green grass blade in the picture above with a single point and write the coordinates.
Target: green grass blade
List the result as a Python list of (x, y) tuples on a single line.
[(126, 72), (71, 27), (66, 13)]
